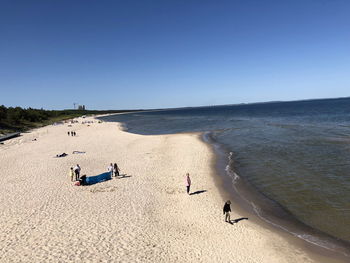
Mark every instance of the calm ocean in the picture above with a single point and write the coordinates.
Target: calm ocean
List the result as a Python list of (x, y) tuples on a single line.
[(289, 161)]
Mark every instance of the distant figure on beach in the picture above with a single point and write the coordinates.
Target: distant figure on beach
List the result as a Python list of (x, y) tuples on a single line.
[(188, 183), (71, 174), (110, 169), (61, 155), (77, 172), (68, 133), (227, 210), (75, 134), (116, 170)]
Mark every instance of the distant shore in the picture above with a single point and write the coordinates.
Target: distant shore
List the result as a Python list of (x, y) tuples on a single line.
[(145, 216), (15, 119)]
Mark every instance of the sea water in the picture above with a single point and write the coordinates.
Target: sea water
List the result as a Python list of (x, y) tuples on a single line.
[(295, 156)]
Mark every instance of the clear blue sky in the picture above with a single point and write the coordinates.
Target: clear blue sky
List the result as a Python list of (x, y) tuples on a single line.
[(154, 54)]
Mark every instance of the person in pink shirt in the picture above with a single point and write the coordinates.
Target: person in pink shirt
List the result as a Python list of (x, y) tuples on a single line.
[(188, 183)]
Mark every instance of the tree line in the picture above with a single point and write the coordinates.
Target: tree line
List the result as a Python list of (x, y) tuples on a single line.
[(17, 118)]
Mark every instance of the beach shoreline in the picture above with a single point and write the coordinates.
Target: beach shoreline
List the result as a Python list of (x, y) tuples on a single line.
[(224, 183), (144, 217)]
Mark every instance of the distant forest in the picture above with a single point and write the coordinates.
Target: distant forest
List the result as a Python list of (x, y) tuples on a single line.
[(20, 119)]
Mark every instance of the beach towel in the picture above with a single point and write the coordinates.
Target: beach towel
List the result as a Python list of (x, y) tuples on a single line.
[(98, 178), (75, 152)]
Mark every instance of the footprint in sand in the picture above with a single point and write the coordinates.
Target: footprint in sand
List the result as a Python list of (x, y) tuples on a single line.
[(172, 191), (103, 189)]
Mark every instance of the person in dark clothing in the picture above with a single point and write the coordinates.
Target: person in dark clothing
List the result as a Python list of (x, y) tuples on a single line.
[(68, 133), (82, 180), (227, 210), (116, 170), (188, 183), (77, 172)]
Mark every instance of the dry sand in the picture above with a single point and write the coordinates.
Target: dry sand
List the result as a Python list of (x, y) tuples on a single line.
[(144, 217)]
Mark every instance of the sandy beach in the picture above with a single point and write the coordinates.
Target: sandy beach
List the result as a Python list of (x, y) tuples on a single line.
[(146, 216)]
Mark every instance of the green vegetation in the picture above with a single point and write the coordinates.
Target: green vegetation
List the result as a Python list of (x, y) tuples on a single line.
[(19, 119)]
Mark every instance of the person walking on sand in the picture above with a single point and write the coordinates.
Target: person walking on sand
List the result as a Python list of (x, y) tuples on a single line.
[(116, 170), (227, 210), (77, 172), (188, 183), (68, 133), (110, 169), (71, 174)]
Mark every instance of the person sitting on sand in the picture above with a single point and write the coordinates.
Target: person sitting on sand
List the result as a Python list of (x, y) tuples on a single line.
[(188, 183), (110, 169), (227, 210), (116, 170), (71, 174), (82, 180), (61, 155)]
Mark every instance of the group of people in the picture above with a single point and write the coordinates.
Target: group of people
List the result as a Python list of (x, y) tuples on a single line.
[(83, 122), (74, 121), (227, 206), (72, 133), (113, 169), (74, 173)]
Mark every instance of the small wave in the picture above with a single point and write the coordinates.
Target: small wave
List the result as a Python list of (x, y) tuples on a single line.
[(230, 168), (124, 127), (306, 237), (321, 243), (285, 126)]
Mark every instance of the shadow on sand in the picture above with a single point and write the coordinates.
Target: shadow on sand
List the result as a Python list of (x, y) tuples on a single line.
[(238, 219), (198, 192), (121, 176)]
